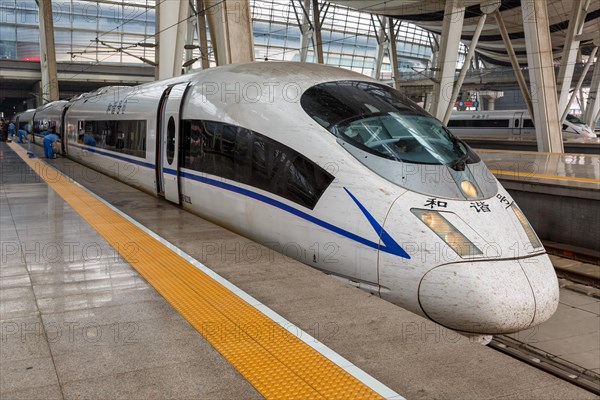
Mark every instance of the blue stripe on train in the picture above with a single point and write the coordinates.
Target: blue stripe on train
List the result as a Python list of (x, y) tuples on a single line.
[(389, 245)]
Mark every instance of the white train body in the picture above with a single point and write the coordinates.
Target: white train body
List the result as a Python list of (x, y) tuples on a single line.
[(510, 124), (257, 148)]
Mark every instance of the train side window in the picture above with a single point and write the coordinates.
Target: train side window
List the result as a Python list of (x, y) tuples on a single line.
[(517, 123), (170, 140), (128, 137), (253, 159), (528, 123)]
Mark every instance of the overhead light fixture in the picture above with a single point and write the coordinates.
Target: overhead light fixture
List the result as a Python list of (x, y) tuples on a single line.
[(190, 62)]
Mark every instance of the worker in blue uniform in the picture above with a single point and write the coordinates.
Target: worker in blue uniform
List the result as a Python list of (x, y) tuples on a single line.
[(11, 129), (49, 139), (87, 139), (21, 133)]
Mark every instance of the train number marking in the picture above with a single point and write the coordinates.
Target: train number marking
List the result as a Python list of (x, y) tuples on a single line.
[(116, 107)]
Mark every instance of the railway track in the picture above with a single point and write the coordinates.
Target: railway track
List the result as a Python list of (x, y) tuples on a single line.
[(584, 378), (587, 273)]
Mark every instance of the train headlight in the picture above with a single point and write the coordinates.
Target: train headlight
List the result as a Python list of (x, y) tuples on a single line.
[(535, 242), (469, 189), (447, 232)]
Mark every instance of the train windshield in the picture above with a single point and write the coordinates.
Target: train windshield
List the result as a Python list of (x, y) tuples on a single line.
[(574, 120), (379, 120)]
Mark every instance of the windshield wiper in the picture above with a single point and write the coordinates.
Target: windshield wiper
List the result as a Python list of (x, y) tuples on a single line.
[(460, 163)]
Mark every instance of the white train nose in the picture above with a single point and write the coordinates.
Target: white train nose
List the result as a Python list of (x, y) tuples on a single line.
[(490, 297)]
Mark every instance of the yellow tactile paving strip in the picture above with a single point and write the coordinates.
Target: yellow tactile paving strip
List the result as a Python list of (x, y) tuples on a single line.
[(543, 176), (535, 153), (275, 362)]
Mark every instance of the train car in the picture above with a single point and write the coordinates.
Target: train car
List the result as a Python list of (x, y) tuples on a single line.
[(513, 125), (47, 117), (24, 120), (336, 170)]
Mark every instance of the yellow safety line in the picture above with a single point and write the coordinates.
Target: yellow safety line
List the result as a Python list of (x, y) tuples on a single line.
[(275, 362), (536, 152), (545, 176)]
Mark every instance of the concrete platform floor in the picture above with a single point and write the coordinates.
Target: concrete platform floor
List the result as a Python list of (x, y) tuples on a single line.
[(573, 332), (77, 322)]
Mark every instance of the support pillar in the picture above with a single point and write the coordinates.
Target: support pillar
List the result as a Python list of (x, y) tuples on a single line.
[(172, 28), (306, 29), (317, 32), (569, 55), (578, 85), (49, 89), (394, 53), (541, 74), (382, 45), (486, 8), (189, 43), (202, 37), (593, 102), (491, 97), (230, 30), (454, 15), (514, 62)]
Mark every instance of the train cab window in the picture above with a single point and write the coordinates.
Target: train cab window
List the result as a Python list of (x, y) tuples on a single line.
[(574, 120), (245, 156), (379, 120)]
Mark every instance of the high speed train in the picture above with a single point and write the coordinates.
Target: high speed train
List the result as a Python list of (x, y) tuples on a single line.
[(334, 169), (513, 125)]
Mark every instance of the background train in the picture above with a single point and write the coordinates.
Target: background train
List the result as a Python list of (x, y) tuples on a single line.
[(514, 125), (331, 168)]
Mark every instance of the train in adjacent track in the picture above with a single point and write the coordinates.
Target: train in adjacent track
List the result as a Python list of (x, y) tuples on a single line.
[(512, 125), (332, 168)]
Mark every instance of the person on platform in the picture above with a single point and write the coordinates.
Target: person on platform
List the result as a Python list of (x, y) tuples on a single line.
[(49, 139), (4, 129), (22, 133), (11, 129), (87, 139)]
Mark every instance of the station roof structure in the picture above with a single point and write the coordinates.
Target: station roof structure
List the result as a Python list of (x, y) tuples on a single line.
[(430, 14)]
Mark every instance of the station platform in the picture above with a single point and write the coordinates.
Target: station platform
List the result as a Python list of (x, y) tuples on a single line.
[(127, 296), (571, 146), (559, 193)]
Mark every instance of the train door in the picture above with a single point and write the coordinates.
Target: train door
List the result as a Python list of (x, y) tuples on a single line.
[(169, 142), (65, 131), (517, 123)]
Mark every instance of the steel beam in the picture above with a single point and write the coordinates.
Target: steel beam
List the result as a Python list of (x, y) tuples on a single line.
[(514, 62), (569, 55), (579, 84), (593, 102), (464, 69)]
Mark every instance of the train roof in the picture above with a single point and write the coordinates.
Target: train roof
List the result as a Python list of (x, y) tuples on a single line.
[(303, 74)]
